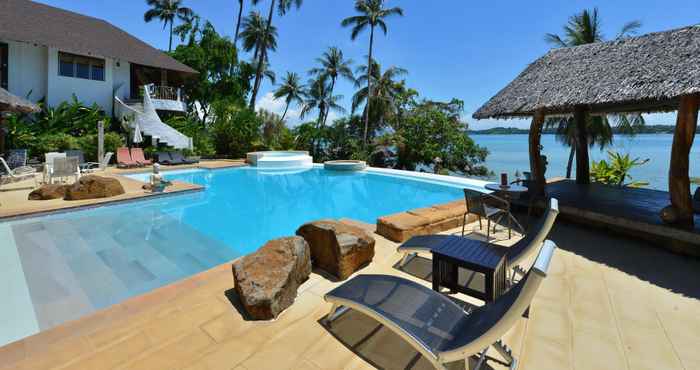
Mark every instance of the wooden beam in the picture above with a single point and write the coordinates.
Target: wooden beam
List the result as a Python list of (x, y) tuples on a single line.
[(583, 173), (536, 165), (678, 180)]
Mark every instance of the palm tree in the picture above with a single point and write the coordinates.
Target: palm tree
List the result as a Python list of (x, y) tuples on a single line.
[(291, 90), (188, 29), (318, 97), (256, 35), (372, 14), (333, 65), (282, 6), (166, 11), (584, 28), (385, 94)]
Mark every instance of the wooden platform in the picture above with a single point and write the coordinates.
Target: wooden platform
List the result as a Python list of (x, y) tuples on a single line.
[(631, 211)]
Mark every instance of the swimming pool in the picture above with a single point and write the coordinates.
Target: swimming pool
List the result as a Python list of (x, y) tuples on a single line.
[(64, 266)]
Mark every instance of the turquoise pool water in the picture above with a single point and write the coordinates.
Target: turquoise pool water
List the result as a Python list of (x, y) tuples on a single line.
[(64, 266)]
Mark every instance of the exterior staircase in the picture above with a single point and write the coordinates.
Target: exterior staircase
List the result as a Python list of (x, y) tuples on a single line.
[(143, 114)]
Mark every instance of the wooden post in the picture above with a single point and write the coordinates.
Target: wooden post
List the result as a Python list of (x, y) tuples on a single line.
[(583, 173), (536, 165), (678, 180)]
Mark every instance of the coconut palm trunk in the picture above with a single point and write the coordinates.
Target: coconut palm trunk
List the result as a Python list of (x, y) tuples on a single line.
[(369, 82), (569, 165), (286, 109), (325, 117), (170, 43), (238, 23), (258, 72)]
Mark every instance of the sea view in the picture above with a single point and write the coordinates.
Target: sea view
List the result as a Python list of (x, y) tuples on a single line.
[(509, 153)]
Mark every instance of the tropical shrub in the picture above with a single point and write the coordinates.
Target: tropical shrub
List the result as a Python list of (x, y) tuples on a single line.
[(192, 127), (88, 144), (616, 170), (433, 130), (56, 142), (235, 130), (70, 117)]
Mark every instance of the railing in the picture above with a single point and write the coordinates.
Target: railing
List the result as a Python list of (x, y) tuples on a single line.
[(165, 92)]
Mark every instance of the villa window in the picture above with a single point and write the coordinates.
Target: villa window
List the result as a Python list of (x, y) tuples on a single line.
[(71, 65)]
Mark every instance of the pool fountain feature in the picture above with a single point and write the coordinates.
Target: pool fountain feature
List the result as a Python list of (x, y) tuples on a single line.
[(280, 159)]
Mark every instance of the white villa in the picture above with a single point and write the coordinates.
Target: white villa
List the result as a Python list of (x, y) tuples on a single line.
[(52, 54)]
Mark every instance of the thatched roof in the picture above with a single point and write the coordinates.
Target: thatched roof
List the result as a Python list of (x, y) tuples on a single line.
[(643, 74), (13, 103)]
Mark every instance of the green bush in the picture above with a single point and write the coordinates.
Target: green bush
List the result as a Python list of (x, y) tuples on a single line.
[(88, 144), (53, 143), (235, 131)]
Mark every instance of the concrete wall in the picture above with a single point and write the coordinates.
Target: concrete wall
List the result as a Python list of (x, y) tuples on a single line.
[(60, 88), (122, 79), (27, 70)]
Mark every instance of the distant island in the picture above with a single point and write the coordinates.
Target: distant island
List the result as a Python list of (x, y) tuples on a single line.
[(648, 129)]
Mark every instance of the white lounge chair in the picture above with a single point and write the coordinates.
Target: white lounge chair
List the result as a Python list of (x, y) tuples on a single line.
[(17, 174), (432, 323), (97, 166), (516, 254)]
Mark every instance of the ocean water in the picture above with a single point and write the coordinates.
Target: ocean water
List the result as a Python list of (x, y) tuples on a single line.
[(509, 153)]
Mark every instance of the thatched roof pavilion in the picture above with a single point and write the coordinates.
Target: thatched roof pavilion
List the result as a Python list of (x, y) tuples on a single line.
[(657, 72), (13, 103)]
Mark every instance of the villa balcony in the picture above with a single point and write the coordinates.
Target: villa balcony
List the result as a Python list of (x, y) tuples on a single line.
[(167, 98)]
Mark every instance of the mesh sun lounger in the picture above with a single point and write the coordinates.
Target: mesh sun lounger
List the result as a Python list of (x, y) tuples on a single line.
[(16, 174), (432, 323), (516, 253), (179, 159)]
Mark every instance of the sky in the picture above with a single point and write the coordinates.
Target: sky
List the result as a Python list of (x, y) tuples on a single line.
[(452, 48)]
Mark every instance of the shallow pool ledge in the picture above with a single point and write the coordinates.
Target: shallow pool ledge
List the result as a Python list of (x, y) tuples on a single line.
[(17, 317)]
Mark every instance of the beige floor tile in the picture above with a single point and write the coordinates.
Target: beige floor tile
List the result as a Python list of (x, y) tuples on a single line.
[(229, 354), (113, 356), (59, 354), (172, 354)]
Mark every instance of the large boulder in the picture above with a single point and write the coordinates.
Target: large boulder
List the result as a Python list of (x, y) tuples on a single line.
[(93, 187), (267, 280), (338, 248), (47, 192)]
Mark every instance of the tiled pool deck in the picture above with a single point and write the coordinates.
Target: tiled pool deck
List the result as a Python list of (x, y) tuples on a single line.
[(608, 303), (13, 197)]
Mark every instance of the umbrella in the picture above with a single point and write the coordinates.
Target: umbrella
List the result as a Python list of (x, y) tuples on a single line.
[(137, 139), (13, 103)]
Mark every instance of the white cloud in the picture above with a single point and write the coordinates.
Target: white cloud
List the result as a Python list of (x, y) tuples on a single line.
[(269, 103)]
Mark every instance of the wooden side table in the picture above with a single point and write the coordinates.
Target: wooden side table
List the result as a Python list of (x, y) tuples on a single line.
[(476, 257)]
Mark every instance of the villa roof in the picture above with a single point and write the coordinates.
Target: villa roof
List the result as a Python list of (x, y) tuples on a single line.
[(640, 74), (28, 21), (13, 103)]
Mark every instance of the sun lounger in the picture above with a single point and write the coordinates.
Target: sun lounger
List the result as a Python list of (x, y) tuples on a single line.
[(431, 322), (178, 158), (96, 166), (138, 157), (124, 159), (516, 253), (20, 173), (163, 158)]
